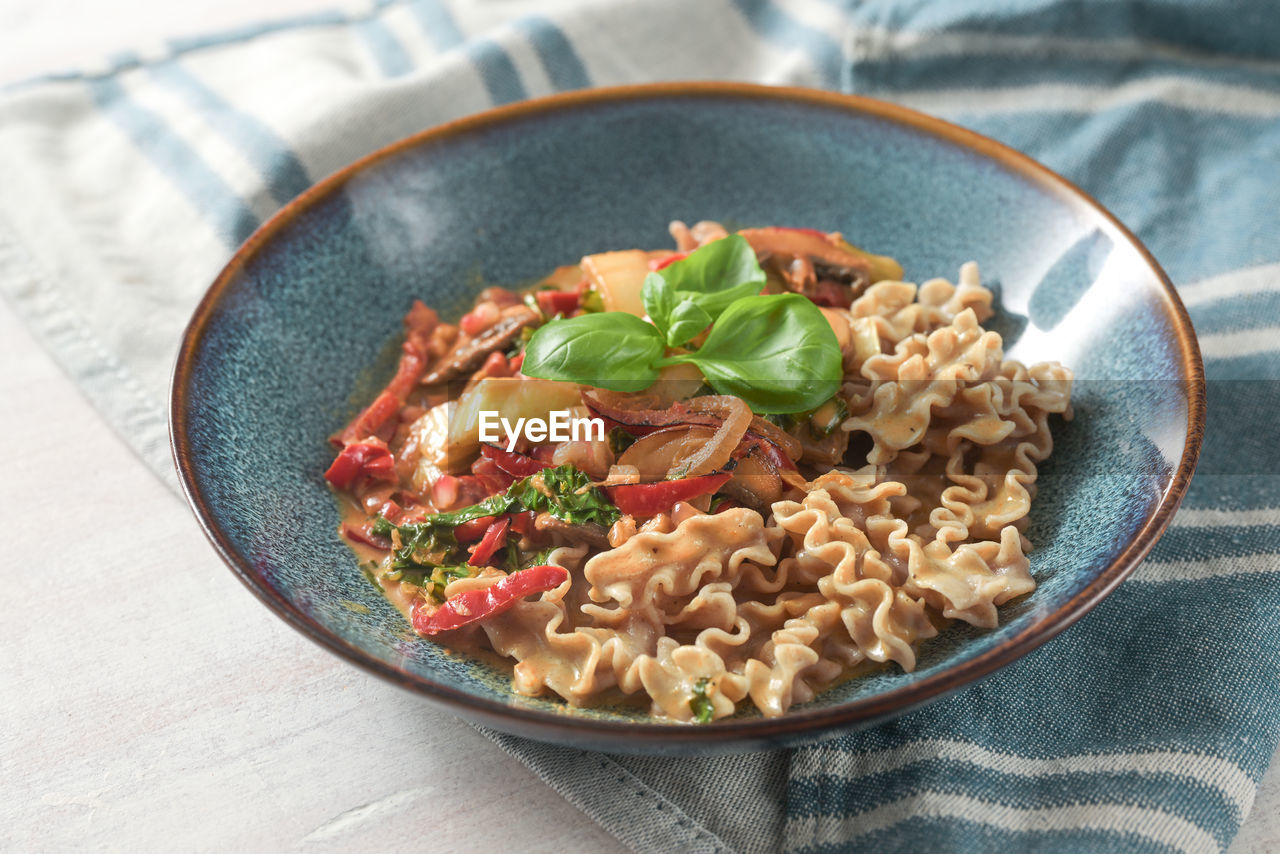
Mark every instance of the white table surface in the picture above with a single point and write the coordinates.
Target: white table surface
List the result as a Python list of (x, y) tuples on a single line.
[(149, 702)]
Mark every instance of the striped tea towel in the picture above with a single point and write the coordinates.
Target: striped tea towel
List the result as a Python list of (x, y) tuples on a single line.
[(124, 189)]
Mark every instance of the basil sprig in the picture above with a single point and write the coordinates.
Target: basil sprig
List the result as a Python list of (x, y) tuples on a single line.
[(778, 352), (684, 298)]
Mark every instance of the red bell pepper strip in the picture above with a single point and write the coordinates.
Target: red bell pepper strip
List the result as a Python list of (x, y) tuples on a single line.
[(496, 365), (649, 499), (522, 523), (491, 475), (369, 460), (514, 464), (662, 263), (363, 534), (480, 318), (470, 532), (464, 608), (558, 302), (419, 324), (494, 538)]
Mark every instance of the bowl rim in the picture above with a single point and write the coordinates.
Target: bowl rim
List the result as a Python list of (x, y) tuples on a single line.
[(730, 733)]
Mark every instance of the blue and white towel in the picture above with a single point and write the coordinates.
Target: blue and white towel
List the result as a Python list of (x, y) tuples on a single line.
[(124, 189)]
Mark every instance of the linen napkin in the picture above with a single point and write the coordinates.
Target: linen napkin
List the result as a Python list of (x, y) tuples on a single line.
[(124, 189)]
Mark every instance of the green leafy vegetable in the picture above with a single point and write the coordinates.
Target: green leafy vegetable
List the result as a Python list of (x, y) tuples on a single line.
[(776, 352), (566, 493), (541, 557), (424, 544), (563, 491), (439, 579), (700, 703), (610, 349)]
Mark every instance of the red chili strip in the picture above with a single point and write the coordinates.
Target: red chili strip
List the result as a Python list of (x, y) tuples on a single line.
[(363, 534), (649, 499), (494, 478), (464, 608), (522, 523), (470, 532), (495, 537), (558, 302), (662, 263), (419, 323), (368, 460), (514, 464)]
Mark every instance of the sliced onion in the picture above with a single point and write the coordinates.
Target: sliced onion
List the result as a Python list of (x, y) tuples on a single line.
[(663, 453), (639, 413), (716, 453)]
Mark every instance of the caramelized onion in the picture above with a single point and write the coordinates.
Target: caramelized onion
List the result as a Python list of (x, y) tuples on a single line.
[(637, 412), (715, 454), (663, 453), (693, 449)]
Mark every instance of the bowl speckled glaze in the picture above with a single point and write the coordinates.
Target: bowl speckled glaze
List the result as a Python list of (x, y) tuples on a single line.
[(298, 331)]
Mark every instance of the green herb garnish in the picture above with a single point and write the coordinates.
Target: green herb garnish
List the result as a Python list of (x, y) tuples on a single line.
[(683, 298), (700, 704), (563, 491), (777, 352)]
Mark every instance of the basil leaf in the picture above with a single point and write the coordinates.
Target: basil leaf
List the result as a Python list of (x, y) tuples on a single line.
[(716, 274), (660, 299), (710, 278), (687, 321), (612, 350), (777, 352)]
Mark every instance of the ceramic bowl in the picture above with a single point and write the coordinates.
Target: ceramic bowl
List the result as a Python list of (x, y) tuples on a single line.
[(301, 327)]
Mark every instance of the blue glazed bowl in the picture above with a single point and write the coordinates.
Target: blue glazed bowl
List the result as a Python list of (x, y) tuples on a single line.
[(309, 310)]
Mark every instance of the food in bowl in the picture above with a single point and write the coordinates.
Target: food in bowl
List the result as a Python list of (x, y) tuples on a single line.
[(731, 473)]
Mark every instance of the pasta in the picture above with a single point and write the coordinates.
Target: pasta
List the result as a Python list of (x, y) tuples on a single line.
[(714, 551)]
